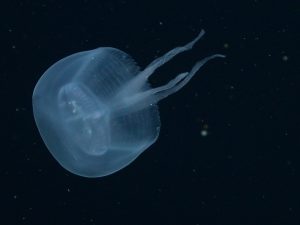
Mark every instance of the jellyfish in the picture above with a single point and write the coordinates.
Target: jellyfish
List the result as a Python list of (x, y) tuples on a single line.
[(96, 110)]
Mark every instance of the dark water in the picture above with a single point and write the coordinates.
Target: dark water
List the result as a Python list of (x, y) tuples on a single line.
[(228, 152)]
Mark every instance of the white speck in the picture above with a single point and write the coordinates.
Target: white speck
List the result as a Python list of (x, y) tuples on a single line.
[(285, 58), (204, 133)]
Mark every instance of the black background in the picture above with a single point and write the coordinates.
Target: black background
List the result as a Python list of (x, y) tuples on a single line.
[(245, 171)]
